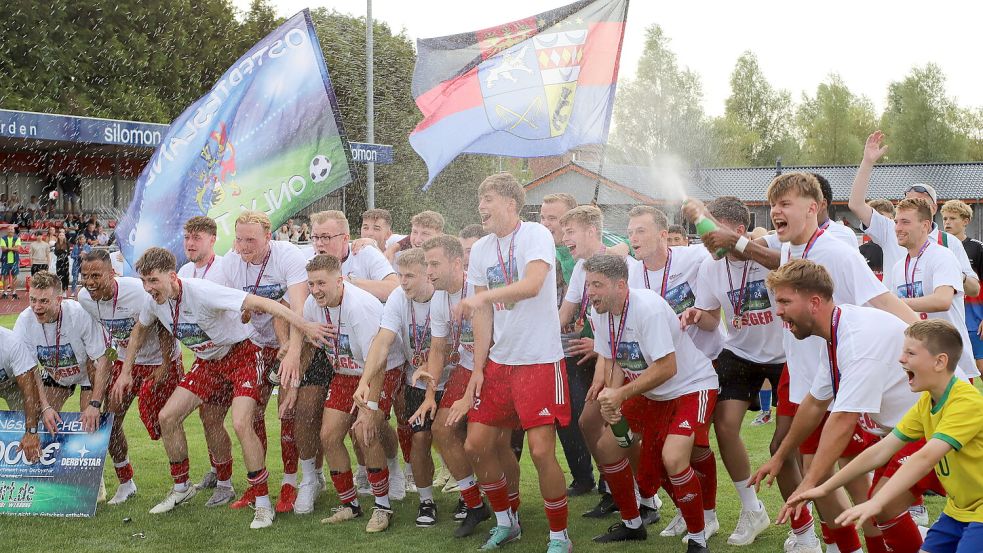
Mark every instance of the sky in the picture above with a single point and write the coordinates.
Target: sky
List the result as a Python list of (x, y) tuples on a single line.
[(798, 44)]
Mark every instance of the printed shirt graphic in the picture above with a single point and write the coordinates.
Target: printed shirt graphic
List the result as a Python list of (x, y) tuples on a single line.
[(80, 342), (209, 322), (760, 338), (441, 325), (528, 332), (361, 314), (284, 269), (396, 318), (652, 332), (117, 324), (937, 267), (16, 358)]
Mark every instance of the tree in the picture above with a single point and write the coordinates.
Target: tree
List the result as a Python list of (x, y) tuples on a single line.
[(660, 111), (757, 126), (921, 121), (834, 124)]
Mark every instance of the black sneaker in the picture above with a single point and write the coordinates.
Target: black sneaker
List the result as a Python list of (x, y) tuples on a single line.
[(15, 295), (427, 515), (620, 532), (693, 547), (604, 508), (461, 511), (471, 521), (578, 488), (649, 515)]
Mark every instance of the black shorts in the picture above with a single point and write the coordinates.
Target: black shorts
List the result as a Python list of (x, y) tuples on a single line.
[(741, 379), (414, 399), (49, 382), (35, 269), (319, 372)]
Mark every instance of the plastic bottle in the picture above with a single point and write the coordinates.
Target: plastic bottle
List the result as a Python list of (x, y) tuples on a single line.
[(704, 225)]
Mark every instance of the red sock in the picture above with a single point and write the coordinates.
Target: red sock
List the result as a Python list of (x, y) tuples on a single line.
[(514, 502), (689, 500), (379, 481), (471, 496), (706, 471), (802, 523), (498, 494), (846, 538), (288, 447), (344, 484), (827, 533), (405, 435), (259, 425), (124, 472), (179, 471), (257, 481), (920, 500), (875, 544), (621, 485), (556, 513), (223, 470), (901, 534)]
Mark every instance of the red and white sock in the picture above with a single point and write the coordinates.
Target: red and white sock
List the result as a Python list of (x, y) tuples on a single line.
[(498, 496), (344, 484), (621, 484), (470, 493), (379, 481), (556, 514)]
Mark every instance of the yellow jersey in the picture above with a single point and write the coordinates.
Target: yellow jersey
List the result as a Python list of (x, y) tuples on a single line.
[(956, 420)]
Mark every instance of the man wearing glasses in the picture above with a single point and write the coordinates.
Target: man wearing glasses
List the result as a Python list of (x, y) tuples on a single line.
[(366, 268)]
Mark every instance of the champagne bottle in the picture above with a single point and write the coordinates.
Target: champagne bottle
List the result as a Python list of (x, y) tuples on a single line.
[(704, 225), (622, 433)]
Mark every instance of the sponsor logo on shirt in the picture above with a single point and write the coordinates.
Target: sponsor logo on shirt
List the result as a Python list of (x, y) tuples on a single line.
[(630, 359), (119, 330), (274, 292), (345, 359), (680, 297), (917, 290), (192, 336), (68, 365), (496, 279)]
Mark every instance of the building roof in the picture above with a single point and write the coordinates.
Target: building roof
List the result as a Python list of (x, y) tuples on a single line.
[(666, 184)]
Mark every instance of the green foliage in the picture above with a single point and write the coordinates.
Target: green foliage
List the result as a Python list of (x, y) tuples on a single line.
[(834, 124), (921, 121)]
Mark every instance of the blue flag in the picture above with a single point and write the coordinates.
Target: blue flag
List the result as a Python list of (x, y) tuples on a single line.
[(267, 137)]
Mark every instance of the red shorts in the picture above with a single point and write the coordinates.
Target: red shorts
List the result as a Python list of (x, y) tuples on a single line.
[(643, 416), (341, 392), (455, 387), (860, 440), (526, 395), (929, 482), (692, 415), (268, 360), (785, 406), (151, 395), (218, 381)]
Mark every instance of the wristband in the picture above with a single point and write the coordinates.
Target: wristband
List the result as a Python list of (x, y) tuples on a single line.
[(46, 408), (742, 243), (372, 405)]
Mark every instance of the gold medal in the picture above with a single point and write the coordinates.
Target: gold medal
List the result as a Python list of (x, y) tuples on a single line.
[(417, 360), (737, 322), (112, 355), (454, 358)]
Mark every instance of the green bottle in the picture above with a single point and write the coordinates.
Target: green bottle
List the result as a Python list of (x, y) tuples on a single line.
[(622, 433), (704, 225)]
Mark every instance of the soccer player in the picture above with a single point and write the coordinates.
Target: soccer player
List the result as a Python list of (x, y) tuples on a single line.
[(19, 388), (946, 416), (881, 229), (271, 269), (69, 349), (956, 216), (423, 226), (116, 303), (354, 316), (377, 224), (752, 355), (826, 222), (677, 236), (520, 379), (206, 318), (862, 382), (199, 247), (672, 273), (663, 386), (928, 279)]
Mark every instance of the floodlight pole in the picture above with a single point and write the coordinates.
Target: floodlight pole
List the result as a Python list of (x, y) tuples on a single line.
[(369, 107)]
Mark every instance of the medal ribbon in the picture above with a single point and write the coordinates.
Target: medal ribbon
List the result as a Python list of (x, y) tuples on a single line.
[(262, 269), (739, 304), (834, 368), (418, 336), (176, 312), (665, 273), (337, 336), (812, 242), (909, 285), (57, 339), (457, 329), (615, 340), (108, 337), (507, 274), (209, 266)]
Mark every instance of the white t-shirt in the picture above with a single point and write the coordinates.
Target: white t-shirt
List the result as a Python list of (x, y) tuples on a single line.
[(368, 264), (526, 332), (759, 339), (16, 358), (358, 318), (937, 267), (853, 283), (78, 342), (651, 332), (285, 268), (118, 315), (441, 325), (209, 322), (844, 233), (396, 317), (393, 239), (871, 380), (881, 231), (213, 272), (681, 289)]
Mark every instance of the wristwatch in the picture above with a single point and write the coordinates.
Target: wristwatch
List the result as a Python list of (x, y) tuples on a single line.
[(32, 430), (95, 403)]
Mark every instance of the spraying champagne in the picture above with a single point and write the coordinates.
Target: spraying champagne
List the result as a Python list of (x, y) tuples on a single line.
[(703, 221)]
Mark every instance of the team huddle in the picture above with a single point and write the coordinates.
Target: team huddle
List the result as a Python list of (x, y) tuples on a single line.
[(628, 352)]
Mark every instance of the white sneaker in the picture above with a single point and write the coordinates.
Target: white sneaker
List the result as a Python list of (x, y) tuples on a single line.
[(362, 482), (451, 486), (221, 496), (306, 496), (263, 518), (124, 492), (920, 514), (102, 491), (173, 499), (410, 483), (442, 477), (710, 526), (322, 481), (749, 525), (676, 526), (397, 484), (805, 548), (789, 542)]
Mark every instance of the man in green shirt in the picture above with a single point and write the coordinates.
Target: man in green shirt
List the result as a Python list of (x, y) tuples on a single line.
[(9, 260)]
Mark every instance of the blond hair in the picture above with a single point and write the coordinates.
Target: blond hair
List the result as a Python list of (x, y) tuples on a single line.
[(658, 217), (918, 205), (882, 206), (938, 336), (324, 262), (451, 246), (802, 184), (803, 275), (561, 198), (200, 223), (505, 185), (250, 217), (156, 259), (331, 215), (376, 214), (586, 215), (959, 209), (45, 280), (428, 219), (412, 256)]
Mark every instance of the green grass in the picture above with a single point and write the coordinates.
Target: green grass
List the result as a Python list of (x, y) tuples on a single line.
[(195, 528)]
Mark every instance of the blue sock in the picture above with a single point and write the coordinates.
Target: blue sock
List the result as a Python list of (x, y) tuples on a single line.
[(764, 398)]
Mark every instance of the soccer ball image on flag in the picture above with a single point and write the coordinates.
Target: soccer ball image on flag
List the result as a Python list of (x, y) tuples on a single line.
[(320, 168)]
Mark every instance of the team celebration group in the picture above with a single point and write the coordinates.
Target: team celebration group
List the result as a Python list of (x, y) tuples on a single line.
[(519, 332)]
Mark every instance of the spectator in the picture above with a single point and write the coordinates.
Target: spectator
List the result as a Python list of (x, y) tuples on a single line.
[(62, 253), (283, 233), (10, 266), (304, 234), (79, 248), (101, 237), (678, 236), (90, 233), (14, 202), (40, 254)]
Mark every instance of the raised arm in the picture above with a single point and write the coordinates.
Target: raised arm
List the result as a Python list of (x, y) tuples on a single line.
[(873, 150)]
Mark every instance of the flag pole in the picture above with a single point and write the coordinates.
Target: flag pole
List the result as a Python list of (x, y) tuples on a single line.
[(369, 105), (600, 171)]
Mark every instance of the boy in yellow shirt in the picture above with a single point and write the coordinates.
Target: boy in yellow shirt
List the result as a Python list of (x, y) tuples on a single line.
[(947, 419)]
